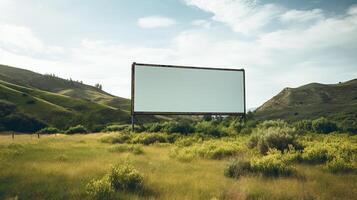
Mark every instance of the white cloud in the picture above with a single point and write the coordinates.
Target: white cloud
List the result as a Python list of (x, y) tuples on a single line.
[(243, 16), (302, 15), (155, 22), (19, 38), (202, 23)]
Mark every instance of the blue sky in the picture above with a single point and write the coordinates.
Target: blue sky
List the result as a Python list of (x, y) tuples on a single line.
[(279, 43)]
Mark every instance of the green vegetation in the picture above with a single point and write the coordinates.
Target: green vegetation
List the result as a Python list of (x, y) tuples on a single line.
[(125, 177), (273, 134), (82, 166), (323, 125), (120, 148), (49, 130), (100, 189), (76, 129)]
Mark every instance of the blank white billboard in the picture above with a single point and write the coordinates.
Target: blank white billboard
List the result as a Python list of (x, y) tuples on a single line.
[(159, 89)]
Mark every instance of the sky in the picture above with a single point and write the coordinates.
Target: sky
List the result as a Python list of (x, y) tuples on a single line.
[(278, 43)]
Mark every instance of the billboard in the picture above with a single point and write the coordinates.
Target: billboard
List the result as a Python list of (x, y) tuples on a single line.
[(167, 89)]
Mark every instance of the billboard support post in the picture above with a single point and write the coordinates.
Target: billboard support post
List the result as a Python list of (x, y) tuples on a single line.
[(132, 95)]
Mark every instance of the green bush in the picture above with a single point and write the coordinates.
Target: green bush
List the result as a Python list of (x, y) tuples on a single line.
[(235, 126), (237, 168), (273, 164), (303, 125), (149, 138), (188, 141), (340, 165), (99, 189), (133, 148), (212, 149), (273, 123), (154, 127), (76, 129), (210, 128), (279, 137), (115, 127), (183, 127), (125, 177), (115, 138), (314, 154), (323, 125), (348, 125), (49, 130), (333, 149), (184, 155)]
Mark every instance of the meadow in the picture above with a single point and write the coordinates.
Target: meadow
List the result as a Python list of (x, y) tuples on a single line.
[(60, 166)]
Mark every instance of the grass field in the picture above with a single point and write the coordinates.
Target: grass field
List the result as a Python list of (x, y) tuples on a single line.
[(59, 167)]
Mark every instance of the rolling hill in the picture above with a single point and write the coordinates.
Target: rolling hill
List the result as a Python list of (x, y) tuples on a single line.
[(334, 101), (52, 101), (51, 83)]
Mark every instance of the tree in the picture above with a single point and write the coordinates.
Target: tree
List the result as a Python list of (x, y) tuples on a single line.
[(99, 86)]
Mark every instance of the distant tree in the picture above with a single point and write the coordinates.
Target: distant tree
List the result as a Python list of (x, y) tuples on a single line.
[(99, 86)]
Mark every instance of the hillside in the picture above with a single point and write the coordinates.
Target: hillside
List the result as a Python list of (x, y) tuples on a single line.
[(51, 83), (29, 100), (335, 101)]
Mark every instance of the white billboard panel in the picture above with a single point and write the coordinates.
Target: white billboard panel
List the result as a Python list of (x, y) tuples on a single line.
[(159, 89)]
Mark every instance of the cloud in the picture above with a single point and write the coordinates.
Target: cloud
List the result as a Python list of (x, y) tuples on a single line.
[(19, 38), (155, 22), (302, 15), (202, 23), (243, 16)]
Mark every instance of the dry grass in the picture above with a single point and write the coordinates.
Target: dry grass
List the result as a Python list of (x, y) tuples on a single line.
[(59, 167)]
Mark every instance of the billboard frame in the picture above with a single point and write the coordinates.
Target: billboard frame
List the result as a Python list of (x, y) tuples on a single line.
[(133, 113)]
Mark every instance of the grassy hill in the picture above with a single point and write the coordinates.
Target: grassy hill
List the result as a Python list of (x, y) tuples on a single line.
[(53, 101), (334, 101), (51, 83)]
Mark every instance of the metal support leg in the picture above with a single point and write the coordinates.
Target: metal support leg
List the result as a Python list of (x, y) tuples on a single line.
[(132, 123)]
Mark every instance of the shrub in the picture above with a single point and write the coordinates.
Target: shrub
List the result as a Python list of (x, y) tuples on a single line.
[(303, 125), (273, 137), (76, 129), (97, 128), (154, 127), (49, 130), (149, 138), (323, 125), (99, 189), (317, 153), (115, 138), (125, 177), (183, 127), (237, 168), (184, 155), (211, 129), (235, 126), (212, 149), (133, 148), (348, 125), (115, 127), (188, 141), (171, 138), (340, 165), (273, 123), (273, 164)]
